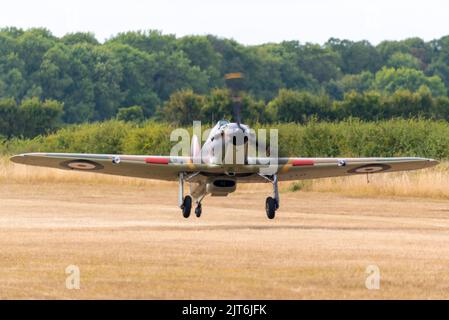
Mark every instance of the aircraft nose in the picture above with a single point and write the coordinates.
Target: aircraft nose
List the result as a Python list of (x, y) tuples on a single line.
[(236, 136)]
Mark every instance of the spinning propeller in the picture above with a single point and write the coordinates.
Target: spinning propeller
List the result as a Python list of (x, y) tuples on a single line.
[(234, 82)]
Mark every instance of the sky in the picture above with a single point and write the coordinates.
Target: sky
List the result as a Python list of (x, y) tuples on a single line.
[(247, 21)]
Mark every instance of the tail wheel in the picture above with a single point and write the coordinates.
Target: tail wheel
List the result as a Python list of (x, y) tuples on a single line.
[(186, 206), (198, 210), (270, 207)]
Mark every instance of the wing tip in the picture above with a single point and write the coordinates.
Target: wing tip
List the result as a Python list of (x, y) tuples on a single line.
[(432, 162), (18, 158), (15, 157), (22, 157)]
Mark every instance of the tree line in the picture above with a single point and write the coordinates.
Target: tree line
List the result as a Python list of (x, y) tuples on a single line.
[(300, 107), (147, 74), (34, 117)]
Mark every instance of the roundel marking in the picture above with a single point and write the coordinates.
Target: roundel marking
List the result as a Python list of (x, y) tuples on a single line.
[(370, 168), (82, 165)]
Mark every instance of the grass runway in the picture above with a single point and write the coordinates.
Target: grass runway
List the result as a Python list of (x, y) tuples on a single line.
[(129, 240)]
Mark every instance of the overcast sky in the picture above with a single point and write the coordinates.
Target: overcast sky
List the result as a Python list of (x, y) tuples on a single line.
[(247, 21)]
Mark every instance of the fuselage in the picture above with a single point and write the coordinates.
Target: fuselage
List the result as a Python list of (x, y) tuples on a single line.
[(227, 144)]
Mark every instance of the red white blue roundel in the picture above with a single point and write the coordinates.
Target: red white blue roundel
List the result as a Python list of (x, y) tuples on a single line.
[(82, 165), (370, 168)]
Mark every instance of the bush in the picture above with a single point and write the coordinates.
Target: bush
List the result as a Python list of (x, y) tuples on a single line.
[(348, 138), (103, 137), (151, 138), (134, 114)]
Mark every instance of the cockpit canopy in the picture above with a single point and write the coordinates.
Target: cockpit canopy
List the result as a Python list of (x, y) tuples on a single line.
[(223, 123)]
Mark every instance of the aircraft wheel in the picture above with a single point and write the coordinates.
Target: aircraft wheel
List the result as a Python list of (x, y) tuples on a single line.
[(270, 207), (198, 211), (187, 206)]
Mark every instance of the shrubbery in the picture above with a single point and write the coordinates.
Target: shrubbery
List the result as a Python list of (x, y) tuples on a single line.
[(134, 113), (348, 138)]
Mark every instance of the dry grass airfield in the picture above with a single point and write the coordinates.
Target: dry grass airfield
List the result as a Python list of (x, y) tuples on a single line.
[(130, 241)]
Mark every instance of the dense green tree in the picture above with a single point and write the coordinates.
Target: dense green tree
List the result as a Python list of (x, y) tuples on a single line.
[(183, 107), (292, 75), (37, 117), (12, 67), (32, 45), (404, 103), (356, 56), (351, 82), (134, 114), (420, 50), (367, 105), (403, 60), (391, 79), (174, 73), (66, 74), (441, 108), (296, 106), (79, 37), (107, 75), (232, 54), (218, 105), (322, 63), (147, 41), (138, 77), (55, 72), (12, 32), (32, 117), (440, 61), (441, 70), (13, 84), (86, 78), (200, 51), (8, 117)]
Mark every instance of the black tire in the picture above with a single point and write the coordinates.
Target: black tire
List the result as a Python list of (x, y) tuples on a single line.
[(270, 207), (187, 206), (198, 211)]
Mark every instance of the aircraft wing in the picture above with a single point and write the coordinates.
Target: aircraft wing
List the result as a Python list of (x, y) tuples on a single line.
[(149, 167), (168, 167), (312, 168)]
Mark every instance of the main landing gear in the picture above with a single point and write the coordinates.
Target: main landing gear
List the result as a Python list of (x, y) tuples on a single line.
[(272, 203), (186, 206), (185, 203), (270, 207)]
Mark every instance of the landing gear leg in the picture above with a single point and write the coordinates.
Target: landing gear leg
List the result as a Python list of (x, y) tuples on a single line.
[(276, 190), (185, 203), (181, 190), (272, 203)]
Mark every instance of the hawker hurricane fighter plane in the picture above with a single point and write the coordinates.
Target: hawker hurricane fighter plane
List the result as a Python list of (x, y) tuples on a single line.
[(207, 171)]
